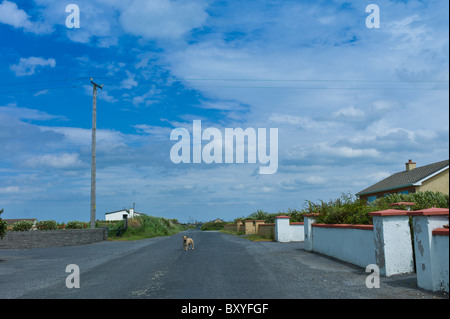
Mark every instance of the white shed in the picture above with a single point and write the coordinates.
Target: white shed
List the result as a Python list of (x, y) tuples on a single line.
[(121, 214)]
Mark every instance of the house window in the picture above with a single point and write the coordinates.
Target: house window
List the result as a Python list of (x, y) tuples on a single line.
[(372, 198), (404, 192)]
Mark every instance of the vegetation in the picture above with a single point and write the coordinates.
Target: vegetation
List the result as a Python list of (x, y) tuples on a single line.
[(76, 225), (296, 215), (145, 227), (46, 225), (22, 225), (348, 209), (3, 226), (213, 226)]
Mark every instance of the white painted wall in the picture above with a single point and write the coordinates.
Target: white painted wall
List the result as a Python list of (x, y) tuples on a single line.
[(355, 246), (285, 232), (282, 231), (297, 232), (119, 215), (440, 249), (423, 228), (393, 246)]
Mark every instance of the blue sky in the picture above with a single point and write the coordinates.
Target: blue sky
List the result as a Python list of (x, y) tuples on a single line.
[(351, 104)]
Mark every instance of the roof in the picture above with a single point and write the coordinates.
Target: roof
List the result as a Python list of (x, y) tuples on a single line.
[(124, 210), (413, 177), (11, 221)]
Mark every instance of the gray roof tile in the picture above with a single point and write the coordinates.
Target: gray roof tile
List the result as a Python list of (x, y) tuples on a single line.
[(405, 178)]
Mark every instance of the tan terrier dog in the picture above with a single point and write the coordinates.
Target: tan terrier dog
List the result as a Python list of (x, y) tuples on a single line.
[(188, 243)]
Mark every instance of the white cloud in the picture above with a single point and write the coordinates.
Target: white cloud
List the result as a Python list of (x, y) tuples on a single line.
[(60, 161), (27, 114), (163, 19), (11, 15), (28, 66), (129, 82)]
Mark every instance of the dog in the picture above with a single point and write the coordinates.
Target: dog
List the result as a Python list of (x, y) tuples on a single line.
[(188, 243)]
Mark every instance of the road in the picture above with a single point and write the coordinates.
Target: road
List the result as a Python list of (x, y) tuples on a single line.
[(222, 266)]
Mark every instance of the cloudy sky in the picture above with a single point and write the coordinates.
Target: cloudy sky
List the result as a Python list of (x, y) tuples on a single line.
[(351, 104)]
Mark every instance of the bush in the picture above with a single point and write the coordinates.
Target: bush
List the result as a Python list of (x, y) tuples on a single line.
[(22, 225), (349, 209), (422, 200), (147, 227), (212, 226), (3, 226), (46, 225), (76, 225)]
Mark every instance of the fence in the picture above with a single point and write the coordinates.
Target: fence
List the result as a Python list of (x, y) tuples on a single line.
[(49, 238), (387, 243)]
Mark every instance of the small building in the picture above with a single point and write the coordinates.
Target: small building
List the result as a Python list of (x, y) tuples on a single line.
[(10, 222), (432, 177), (121, 214)]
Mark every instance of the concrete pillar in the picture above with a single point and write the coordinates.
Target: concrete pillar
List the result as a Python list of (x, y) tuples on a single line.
[(250, 227), (282, 232), (238, 226), (392, 239), (424, 222), (308, 220)]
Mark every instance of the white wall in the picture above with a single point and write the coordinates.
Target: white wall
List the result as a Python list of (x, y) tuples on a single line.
[(297, 232), (286, 232), (355, 246), (440, 247)]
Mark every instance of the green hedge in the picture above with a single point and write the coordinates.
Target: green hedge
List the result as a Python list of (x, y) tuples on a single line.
[(22, 225), (349, 209), (46, 225)]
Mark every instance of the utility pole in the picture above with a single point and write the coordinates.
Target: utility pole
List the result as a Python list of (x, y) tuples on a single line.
[(93, 167)]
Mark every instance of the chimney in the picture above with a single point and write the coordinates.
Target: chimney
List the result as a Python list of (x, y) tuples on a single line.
[(410, 166)]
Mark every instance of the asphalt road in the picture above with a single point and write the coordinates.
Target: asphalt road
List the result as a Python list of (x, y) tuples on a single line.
[(221, 267)]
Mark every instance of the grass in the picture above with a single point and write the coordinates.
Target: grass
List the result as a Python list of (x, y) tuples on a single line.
[(252, 237), (146, 227)]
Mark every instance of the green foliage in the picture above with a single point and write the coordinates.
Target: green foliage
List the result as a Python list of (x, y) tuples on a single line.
[(3, 226), (348, 209), (76, 225), (22, 225), (213, 226), (296, 215), (422, 200), (148, 227), (46, 225)]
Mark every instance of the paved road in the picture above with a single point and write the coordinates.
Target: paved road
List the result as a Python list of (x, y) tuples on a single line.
[(221, 266)]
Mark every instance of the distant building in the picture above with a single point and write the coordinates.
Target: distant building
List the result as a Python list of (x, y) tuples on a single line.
[(11, 222), (122, 214), (432, 177)]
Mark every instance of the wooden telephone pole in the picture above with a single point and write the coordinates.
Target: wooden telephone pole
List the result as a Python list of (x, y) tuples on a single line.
[(93, 167)]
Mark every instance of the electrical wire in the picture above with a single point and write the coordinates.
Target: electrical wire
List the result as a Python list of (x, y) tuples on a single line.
[(41, 84)]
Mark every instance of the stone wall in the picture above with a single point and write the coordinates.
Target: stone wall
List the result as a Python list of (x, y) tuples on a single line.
[(49, 238)]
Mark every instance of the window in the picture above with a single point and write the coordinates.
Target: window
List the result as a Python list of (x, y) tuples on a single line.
[(372, 198)]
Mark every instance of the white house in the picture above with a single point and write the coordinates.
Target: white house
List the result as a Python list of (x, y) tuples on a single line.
[(121, 214)]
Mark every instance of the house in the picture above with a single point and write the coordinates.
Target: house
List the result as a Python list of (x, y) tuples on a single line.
[(10, 222), (432, 177), (121, 214)]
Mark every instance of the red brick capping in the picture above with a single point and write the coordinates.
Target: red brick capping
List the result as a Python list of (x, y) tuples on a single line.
[(389, 212), (430, 212), (403, 203), (297, 223), (351, 226), (282, 217), (440, 232)]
